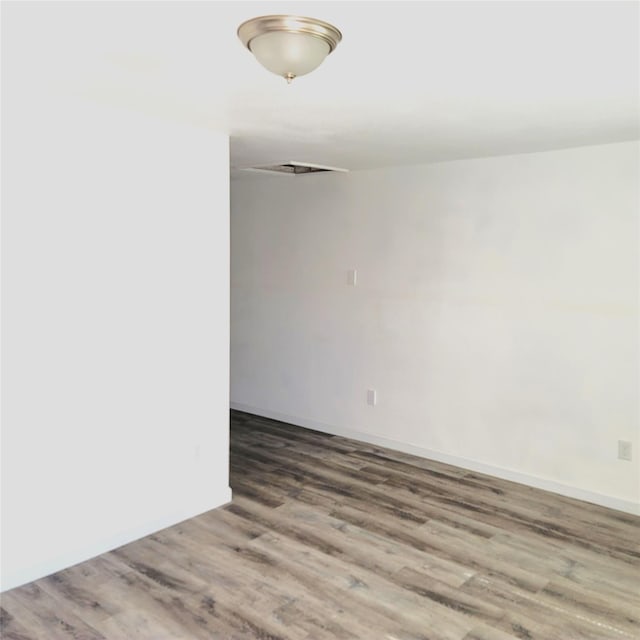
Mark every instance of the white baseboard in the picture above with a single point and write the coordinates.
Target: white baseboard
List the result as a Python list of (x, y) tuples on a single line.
[(506, 474), (113, 540)]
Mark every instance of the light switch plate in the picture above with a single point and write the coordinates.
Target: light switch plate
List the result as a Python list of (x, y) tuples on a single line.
[(624, 450)]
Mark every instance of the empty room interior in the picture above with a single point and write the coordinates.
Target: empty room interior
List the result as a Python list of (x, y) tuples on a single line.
[(320, 320)]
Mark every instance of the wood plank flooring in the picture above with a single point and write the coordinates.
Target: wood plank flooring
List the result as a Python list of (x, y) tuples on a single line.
[(328, 538)]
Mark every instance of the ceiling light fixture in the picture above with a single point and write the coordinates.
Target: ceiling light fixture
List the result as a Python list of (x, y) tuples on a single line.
[(289, 46)]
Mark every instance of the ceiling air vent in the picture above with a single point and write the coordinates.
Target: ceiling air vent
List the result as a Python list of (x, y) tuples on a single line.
[(295, 168)]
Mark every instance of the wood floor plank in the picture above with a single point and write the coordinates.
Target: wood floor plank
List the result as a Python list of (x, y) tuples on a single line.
[(301, 581), (532, 617), (47, 617), (368, 594), (11, 629), (389, 555), (175, 597), (331, 539), (464, 553)]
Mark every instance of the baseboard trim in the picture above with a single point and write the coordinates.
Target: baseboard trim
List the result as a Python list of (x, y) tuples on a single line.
[(113, 541), (568, 491)]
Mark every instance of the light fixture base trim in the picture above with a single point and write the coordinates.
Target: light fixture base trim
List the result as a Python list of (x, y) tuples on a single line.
[(255, 27), (289, 168)]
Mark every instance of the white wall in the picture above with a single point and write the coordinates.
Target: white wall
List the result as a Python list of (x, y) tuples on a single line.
[(115, 338), (496, 312)]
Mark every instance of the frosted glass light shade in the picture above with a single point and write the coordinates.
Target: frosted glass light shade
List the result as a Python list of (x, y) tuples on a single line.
[(289, 46), (289, 54)]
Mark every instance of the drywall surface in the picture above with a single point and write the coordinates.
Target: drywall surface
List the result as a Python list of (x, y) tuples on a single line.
[(115, 287), (495, 311)]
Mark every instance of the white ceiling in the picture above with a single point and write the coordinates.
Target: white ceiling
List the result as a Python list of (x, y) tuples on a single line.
[(411, 82)]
